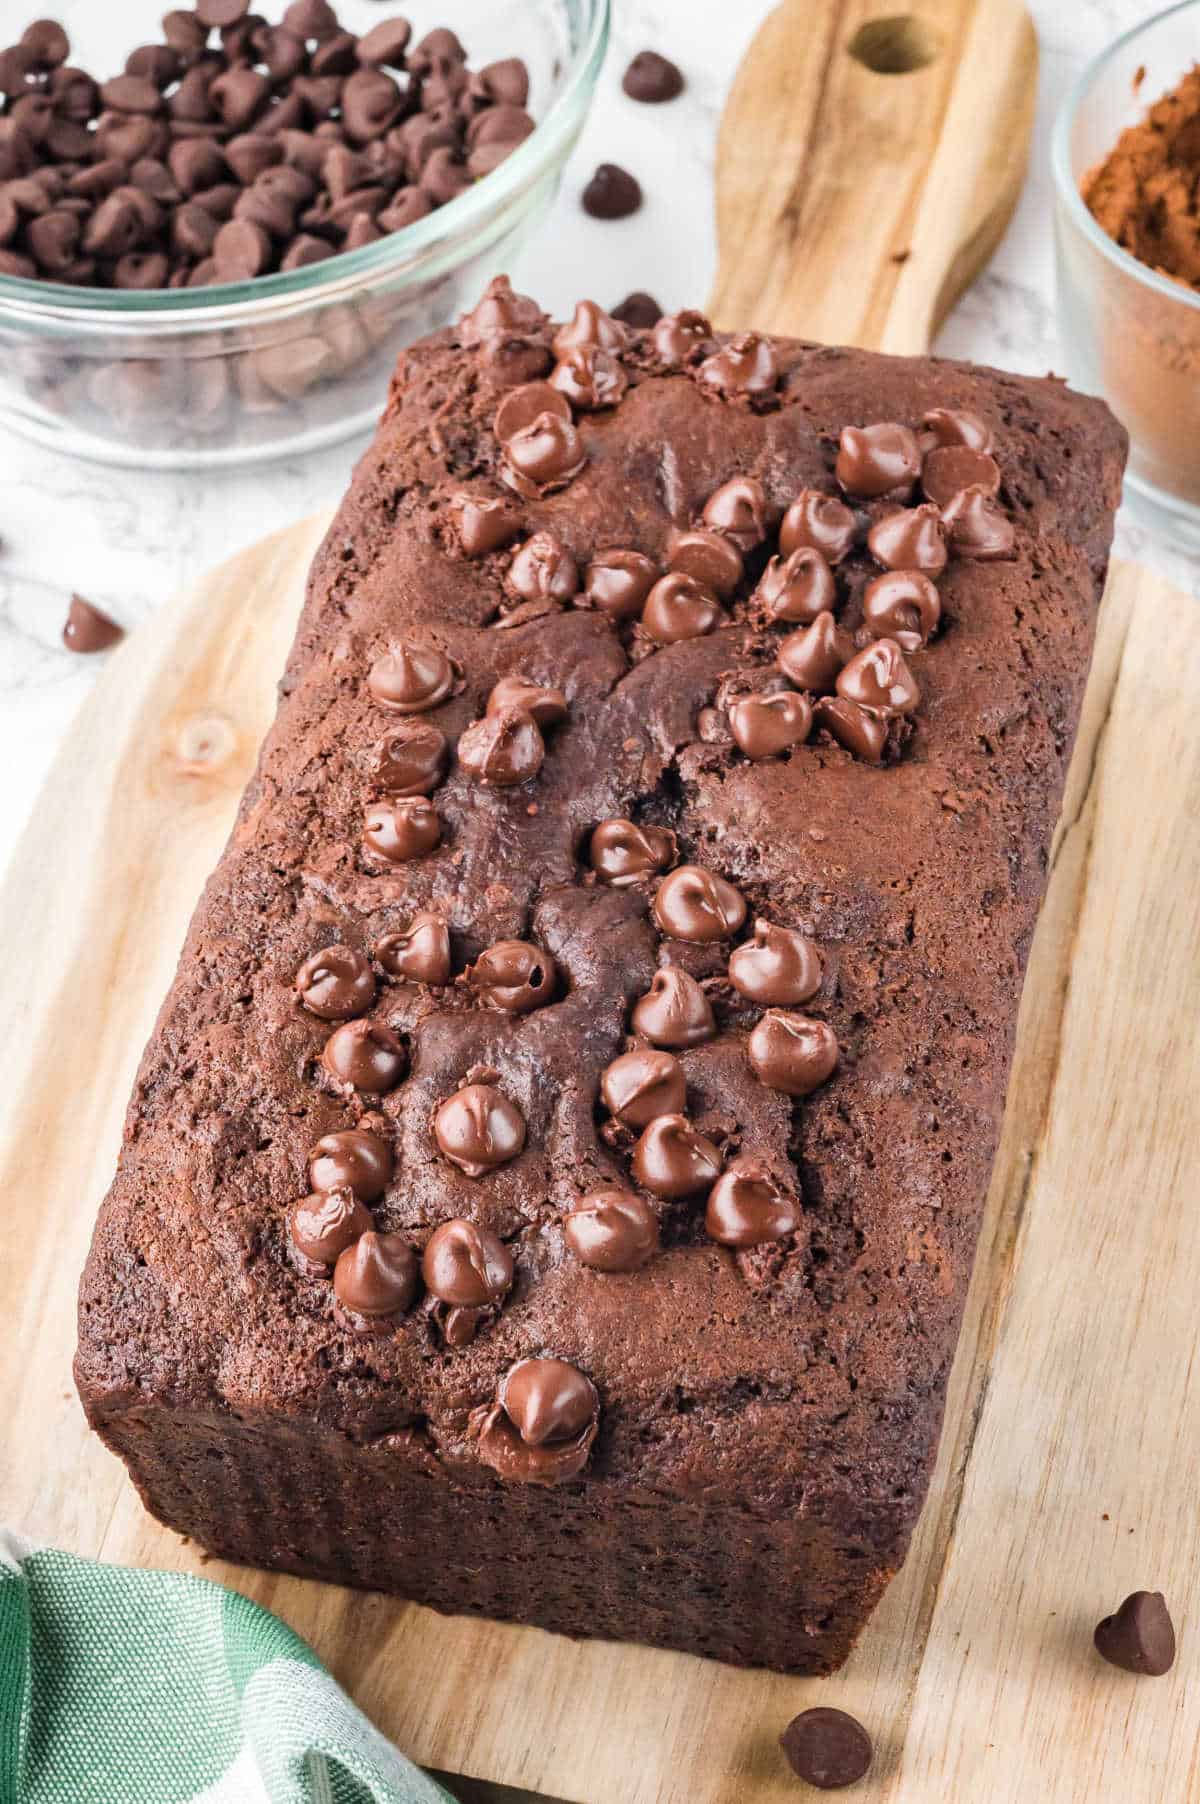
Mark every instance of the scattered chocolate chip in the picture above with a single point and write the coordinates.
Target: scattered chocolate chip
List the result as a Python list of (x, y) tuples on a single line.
[(674, 1012), (679, 607), (541, 1429), (763, 726), (418, 953), (88, 629), (323, 1224), (955, 426), (410, 760), (543, 570), (775, 967), (884, 459), (748, 1206), (878, 679), (652, 78), (745, 366), (466, 1266), (826, 1748), (642, 1084), (401, 828), (792, 1053), (612, 1231), (861, 732), (503, 749), (355, 1159), (479, 1129), (638, 310), (366, 1056), (796, 588), (618, 582), (336, 983), (376, 1276), (696, 905), (976, 528), (622, 853), (902, 605), (674, 1159), (911, 538), (409, 677), (1140, 1636), (612, 193), (949, 469), (514, 976)]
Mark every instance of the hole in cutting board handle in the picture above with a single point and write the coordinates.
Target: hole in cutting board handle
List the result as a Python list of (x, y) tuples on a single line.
[(895, 46)]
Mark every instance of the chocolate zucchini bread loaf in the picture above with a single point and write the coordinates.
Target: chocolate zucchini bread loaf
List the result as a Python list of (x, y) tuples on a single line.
[(552, 1185)]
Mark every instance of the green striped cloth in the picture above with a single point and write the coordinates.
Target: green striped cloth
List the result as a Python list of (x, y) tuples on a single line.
[(132, 1687)]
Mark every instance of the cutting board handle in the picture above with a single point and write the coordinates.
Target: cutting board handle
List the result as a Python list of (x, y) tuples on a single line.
[(867, 167)]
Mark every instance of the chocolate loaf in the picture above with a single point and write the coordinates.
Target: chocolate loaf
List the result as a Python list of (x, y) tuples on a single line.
[(552, 1185)]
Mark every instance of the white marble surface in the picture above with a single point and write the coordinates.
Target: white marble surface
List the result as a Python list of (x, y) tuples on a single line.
[(130, 540)]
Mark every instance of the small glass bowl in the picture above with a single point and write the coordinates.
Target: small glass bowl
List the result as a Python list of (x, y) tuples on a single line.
[(1128, 333), (245, 372)]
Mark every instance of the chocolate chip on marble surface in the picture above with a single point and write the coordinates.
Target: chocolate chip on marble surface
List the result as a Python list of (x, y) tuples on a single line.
[(776, 966), (409, 678), (750, 1206), (401, 828), (353, 1158), (612, 1230), (910, 538), (1140, 1636), (611, 193), (641, 1084), (466, 1266), (763, 726), (826, 1748), (88, 628), (673, 1159), (336, 983), (366, 1056), (322, 1225), (419, 952), (883, 459), (652, 78), (376, 1276), (697, 905), (792, 1053), (674, 1012), (514, 976), (903, 605), (503, 749), (479, 1129), (622, 852)]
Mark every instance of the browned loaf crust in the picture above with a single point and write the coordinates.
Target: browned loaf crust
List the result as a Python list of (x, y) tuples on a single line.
[(768, 1417)]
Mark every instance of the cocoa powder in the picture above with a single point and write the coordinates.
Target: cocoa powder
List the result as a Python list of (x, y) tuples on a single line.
[(1146, 193)]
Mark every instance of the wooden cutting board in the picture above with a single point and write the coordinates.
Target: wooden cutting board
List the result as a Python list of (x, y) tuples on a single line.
[(1068, 1473)]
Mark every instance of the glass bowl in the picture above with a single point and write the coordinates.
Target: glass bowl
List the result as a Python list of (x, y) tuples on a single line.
[(1129, 333), (244, 372)]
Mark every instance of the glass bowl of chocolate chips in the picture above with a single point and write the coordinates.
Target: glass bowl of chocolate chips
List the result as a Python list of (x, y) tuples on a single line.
[(219, 226)]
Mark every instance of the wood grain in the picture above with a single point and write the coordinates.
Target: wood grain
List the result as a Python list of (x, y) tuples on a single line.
[(854, 206), (1073, 1387)]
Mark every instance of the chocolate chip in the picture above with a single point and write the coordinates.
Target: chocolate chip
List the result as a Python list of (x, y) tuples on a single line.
[(696, 905), (513, 976), (543, 456), (502, 749), (88, 629), (612, 193), (878, 679), (250, 153), (46, 44), (792, 1053), (622, 853), (324, 1224), (638, 310), (542, 1426), (140, 271), (401, 828), (485, 523), (674, 1012), (911, 538), (547, 706), (763, 726), (131, 94), (745, 366), (184, 32), (479, 1129), (861, 732), (955, 426), (678, 337), (612, 1231), (775, 967), (1140, 1636), (902, 605), (376, 1276), (371, 103), (355, 1159), (501, 314), (589, 325), (590, 378), (642, 1084), (618, 582), (652, 78), (796, 588), (336, 983), (673, 1159), (737, 510), (466, 1266), (976, 528), (241, 250), (749, 1206), (678, 607), (385, 43), (707, 558), (365, 1056), (948, 469), (311, 19), (418, 953), (409, 678), (543, 570), (524, 405), (114, 228), (826, 1748), (214, 15), (409, 760), (812, 658), (878, 460)]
